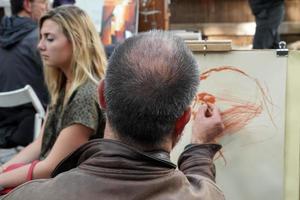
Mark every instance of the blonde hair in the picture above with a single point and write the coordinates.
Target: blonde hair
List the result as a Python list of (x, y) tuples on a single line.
[(88, 57)]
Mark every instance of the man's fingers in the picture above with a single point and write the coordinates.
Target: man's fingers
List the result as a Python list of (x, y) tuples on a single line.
[(208, 124), (202, 110), (208, 111), (215, 112)]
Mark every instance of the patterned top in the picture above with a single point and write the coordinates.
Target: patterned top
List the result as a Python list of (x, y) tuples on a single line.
[(81, 108)]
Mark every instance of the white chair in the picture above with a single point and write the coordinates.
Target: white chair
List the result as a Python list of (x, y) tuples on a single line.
[(23, 96)]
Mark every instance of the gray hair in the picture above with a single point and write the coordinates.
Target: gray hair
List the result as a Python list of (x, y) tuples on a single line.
[(151, 79)]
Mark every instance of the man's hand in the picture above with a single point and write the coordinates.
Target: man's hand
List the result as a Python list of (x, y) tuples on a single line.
[(207, 126)]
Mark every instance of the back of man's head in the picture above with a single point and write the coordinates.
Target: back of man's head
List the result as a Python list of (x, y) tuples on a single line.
[(29, 8), (150, 81), (16, 6)]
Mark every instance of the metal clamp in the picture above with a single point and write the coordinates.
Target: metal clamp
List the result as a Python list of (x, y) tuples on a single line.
[(282, 51)]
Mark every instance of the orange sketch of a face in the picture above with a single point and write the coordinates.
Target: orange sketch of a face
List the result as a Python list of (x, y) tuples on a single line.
[(240, 97)]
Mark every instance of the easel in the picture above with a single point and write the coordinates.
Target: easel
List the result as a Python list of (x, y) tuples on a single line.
[(292, 107)]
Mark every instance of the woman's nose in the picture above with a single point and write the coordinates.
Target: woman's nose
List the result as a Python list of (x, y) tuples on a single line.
[(41, 46)]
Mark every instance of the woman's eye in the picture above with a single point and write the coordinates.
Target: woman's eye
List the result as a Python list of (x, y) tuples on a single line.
[(49, 39)]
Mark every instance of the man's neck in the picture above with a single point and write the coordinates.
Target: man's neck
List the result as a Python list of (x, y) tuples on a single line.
[(23, 13), (110, 134)]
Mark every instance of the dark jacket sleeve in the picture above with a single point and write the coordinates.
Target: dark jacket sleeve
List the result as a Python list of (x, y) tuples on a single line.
[(196, 162), (198, 159)]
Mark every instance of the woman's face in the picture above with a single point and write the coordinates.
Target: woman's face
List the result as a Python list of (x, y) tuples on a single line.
[(55, 48)]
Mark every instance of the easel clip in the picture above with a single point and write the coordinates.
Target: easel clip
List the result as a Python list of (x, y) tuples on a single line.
[(282, 51)]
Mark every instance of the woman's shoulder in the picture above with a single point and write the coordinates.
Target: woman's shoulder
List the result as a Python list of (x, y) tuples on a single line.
[(88, 86), (86, 90), (82, 103)]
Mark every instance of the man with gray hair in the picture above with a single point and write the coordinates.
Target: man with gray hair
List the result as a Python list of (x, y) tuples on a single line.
[(150, 83)]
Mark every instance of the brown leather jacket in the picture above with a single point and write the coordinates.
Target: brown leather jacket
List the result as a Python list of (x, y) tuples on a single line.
[(111, 170)]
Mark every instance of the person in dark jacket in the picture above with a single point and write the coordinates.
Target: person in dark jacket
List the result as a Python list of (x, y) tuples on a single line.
[(149, 85), (20, 65), (268, 16)]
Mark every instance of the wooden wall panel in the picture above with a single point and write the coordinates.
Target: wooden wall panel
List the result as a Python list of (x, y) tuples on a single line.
[(229, 19), (208, 11), (292, 10), (218, 11)]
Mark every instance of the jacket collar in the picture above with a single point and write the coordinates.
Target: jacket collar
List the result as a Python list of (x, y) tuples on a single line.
[(114, 154)]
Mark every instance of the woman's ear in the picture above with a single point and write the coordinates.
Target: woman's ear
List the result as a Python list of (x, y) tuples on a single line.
[(101, 94)]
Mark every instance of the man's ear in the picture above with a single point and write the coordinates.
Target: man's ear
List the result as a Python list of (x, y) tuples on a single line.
[(101, 94), (182, 121), (27, 6)]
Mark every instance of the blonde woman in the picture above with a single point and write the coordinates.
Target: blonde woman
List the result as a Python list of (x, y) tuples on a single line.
[(74, 63)]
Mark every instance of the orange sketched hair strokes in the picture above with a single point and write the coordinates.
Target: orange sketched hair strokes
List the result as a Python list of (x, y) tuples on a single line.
[(241, 98)]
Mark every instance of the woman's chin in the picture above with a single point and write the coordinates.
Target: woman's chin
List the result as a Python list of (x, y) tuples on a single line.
[(49, 65)]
